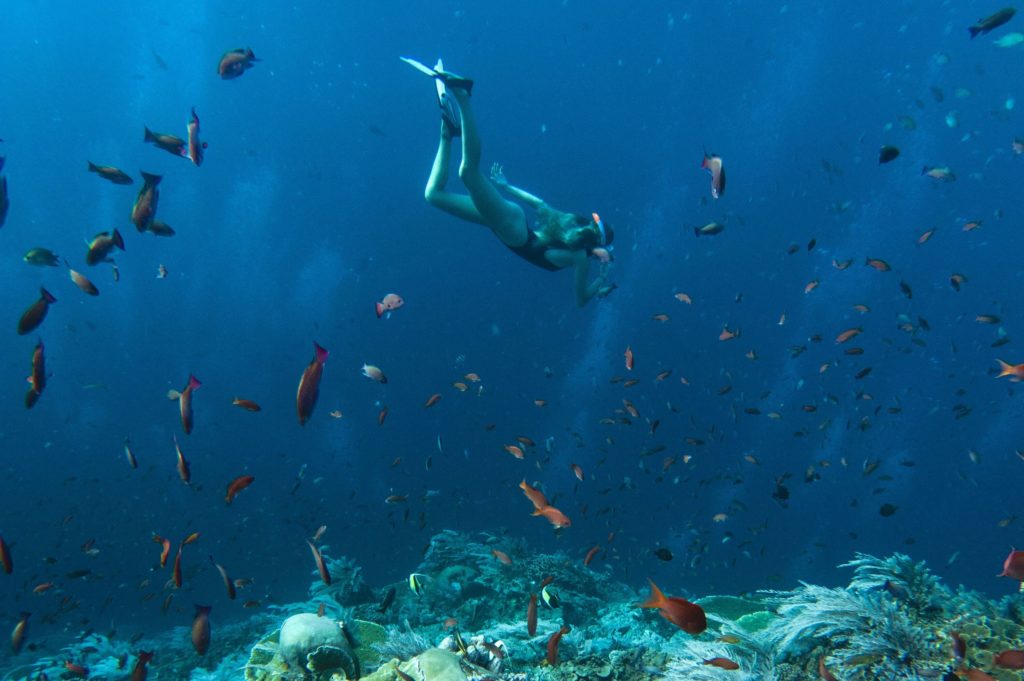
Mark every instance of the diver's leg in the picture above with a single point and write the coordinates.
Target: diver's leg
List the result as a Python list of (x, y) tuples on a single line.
[(504, 217), (459, 205)]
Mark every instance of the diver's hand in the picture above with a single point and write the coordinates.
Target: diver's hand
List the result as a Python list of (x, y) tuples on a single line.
[(498, 176)]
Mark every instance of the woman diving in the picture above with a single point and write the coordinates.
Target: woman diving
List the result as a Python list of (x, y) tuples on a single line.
[(558, 241)]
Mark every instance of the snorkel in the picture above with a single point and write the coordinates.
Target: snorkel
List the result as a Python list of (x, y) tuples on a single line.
[(600, 228)]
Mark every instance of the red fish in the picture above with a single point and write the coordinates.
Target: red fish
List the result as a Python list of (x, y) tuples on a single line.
[(36, 312), (1013, 566), (185, 402), (325, 576), (1010, 659), (722, 663), (501, 556), (247, 405), (391, 301), (139, 672), (101, 246), (76, 670), (823, 671), (37, 379), (309, 384), (236, 486), (383, 414), (534, 495), (144, 208), (531, 616), (554, 516), (195, 146), (713, 164), (235, 62), (552, 656), (201, 629), (432, 400), (687, 616), (878, 264), (590, 555), (176, 571), (629, 358)]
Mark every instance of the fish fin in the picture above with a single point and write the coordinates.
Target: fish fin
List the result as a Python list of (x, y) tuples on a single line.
[(173, 394), (193, 382), (656, 599), (320, 352), (93, 167), (380, 310), (148, 136)]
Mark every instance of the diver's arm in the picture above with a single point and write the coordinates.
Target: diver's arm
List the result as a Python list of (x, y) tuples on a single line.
[(586, 290), (499, 180)]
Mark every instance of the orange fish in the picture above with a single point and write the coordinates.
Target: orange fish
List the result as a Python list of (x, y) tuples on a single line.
[(309, 385), (848, 334), (713, 164), (165, 548), (590, 555), (577, 471), (971, 225), (144, 209), (728, 334), (432, 400), (325, 576), (191, 538), (687, 616), (722, 663), (247, 405), (383, 414), (531, 616), (82, 281), (201, 629), (525, 441), (540, 403), (554, 516), (878, 264), (1014, 371), (629, 358), (195, 146), (236, 486), (515, 451), (185, 402), (662, 375), (925, 236), (660, 317), (43, 587), (823, 671), (20, 633), (234, 63), (501, 556), (391, 301), (472, 378), (841, 264), (184, 469), (552, 655), (535, 496), (811, 285), (683, 298), (36, 313)]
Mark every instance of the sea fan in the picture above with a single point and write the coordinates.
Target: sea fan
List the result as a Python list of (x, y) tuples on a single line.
[(688, 656), (816, 612), (403, 644), (913, 584)]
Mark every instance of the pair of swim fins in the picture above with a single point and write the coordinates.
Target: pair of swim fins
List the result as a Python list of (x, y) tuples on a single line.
[(444, 79)]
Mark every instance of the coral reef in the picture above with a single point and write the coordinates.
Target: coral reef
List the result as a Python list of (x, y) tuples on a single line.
[(893, 620)]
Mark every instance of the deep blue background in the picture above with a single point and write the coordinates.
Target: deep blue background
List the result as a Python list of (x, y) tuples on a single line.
[(302, 216)]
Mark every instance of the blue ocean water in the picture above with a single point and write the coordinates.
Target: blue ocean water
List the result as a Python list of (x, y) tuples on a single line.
[(309, 208)]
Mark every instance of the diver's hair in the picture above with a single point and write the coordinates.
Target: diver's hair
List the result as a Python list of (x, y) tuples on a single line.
[(573, 230)]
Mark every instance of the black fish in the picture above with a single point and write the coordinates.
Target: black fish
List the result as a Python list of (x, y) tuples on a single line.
[(993, 21), (905, 287), (663, 553), (389, 598), (887, 153), (887, 510)]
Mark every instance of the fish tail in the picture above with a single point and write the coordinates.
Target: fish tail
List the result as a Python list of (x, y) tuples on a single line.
[(696, 231), (320, 352), (148, 136), (974, 31), (202, 609), (47, 296), (117, 239), (93, 168), (193, 382), (656, 598), (1006, 369), (149, 178)]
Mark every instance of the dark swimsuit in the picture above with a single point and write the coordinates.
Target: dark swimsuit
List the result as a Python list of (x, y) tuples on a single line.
[(533, 252)]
